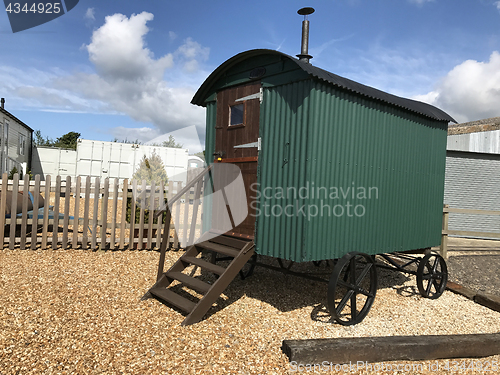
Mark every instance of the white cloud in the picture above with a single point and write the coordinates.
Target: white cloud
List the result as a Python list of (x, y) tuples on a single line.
[(420, 2), (497, 4), (470, 91), (191, 53), (90, 14), (127, 79), (118, 49), (172, 36)]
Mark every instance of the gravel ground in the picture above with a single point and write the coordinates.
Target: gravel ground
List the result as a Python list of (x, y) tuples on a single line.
[(78, 312), (474, 264)]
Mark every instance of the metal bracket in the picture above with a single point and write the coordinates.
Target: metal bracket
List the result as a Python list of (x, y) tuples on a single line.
[(250, 145), (253, 96)]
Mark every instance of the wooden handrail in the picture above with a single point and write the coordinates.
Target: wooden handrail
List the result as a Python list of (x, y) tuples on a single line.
[(470, 211), (445, 232), (176, 197)]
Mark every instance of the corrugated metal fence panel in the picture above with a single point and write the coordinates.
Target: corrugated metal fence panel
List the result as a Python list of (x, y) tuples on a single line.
[(339, 143), (473, 182)]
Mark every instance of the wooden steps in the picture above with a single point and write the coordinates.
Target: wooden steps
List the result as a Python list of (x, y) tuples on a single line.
[(239, 250)]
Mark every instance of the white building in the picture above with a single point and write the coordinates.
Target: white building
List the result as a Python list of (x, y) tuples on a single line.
[(107, 159), (15, 144)]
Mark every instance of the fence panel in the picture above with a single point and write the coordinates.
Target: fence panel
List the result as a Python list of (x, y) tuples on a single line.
[(93, 213)]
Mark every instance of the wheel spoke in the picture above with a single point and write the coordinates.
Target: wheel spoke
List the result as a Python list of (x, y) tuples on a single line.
[(352, 288), (344, 301), (363, 273), (365, 292), (354, 312), (428, 289), (435, 265), (437, 285)]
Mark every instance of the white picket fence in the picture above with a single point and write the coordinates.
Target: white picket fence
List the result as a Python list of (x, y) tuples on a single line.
[(92, 214)]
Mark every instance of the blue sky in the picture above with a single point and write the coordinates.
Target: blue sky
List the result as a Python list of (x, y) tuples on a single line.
[(128, 69)]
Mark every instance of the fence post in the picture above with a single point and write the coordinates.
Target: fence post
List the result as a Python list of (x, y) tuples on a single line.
[(444, 236), (3, 202)]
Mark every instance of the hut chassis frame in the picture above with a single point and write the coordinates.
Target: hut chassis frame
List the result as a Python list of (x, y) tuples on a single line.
[(430, 270)]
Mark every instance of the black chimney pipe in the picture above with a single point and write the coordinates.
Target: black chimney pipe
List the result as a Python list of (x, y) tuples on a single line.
[(2, 101), (304, 53)]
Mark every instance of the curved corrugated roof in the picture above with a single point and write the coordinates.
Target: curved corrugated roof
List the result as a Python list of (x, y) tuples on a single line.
[(412, 105)]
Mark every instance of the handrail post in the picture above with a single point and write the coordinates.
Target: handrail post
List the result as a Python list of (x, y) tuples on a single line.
[(444, 233)]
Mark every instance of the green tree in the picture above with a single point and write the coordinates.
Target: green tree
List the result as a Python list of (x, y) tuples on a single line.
[(171, 143), (68, 140), (151, 169), (40, 141), (200, 154)]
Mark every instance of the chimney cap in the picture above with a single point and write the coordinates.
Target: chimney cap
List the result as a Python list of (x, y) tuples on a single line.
[(305, 11)]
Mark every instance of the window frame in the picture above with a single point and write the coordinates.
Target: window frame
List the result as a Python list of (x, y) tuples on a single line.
[(21, 146), (241, 125)]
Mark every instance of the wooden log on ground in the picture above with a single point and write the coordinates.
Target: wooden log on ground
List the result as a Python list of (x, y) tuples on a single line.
[(488, 300), (391, 348)]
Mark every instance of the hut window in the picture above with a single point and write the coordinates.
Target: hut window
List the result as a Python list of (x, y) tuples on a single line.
[(236, 114)]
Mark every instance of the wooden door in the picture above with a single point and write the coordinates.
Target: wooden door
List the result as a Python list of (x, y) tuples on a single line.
[(237, 139)]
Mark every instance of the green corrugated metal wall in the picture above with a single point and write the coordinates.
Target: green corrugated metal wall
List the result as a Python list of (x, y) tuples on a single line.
[(334, 139)]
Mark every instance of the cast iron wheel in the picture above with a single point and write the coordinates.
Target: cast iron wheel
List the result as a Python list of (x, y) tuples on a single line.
[(352, 288), (248, 268), (432, 276)]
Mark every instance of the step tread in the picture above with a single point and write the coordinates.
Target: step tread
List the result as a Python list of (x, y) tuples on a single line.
[(171, 297), (205, 265), (189, 281), (222, 249), (230, 241)]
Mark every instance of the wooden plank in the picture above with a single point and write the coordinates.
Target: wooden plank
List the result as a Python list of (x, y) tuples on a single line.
[(248, 159), (489, 300), (13, 216), (114, 211), (36, 203), (67, 196), (123, 213), (3, 203), (229, 241), (444, 237), (24, 220), (104, 213), (132, 214), (86, 213), (196, 206), (142, 206), (391, 348), (222, 249), (204, 264), (189, 281), (55, 226), (174, 299), (177, 217), (220, 285), (45, 223), (164, 245), (471, 234), (76, 214), (185, 224), (95, 216), (471, 211), (152, 194), (161, 202)]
